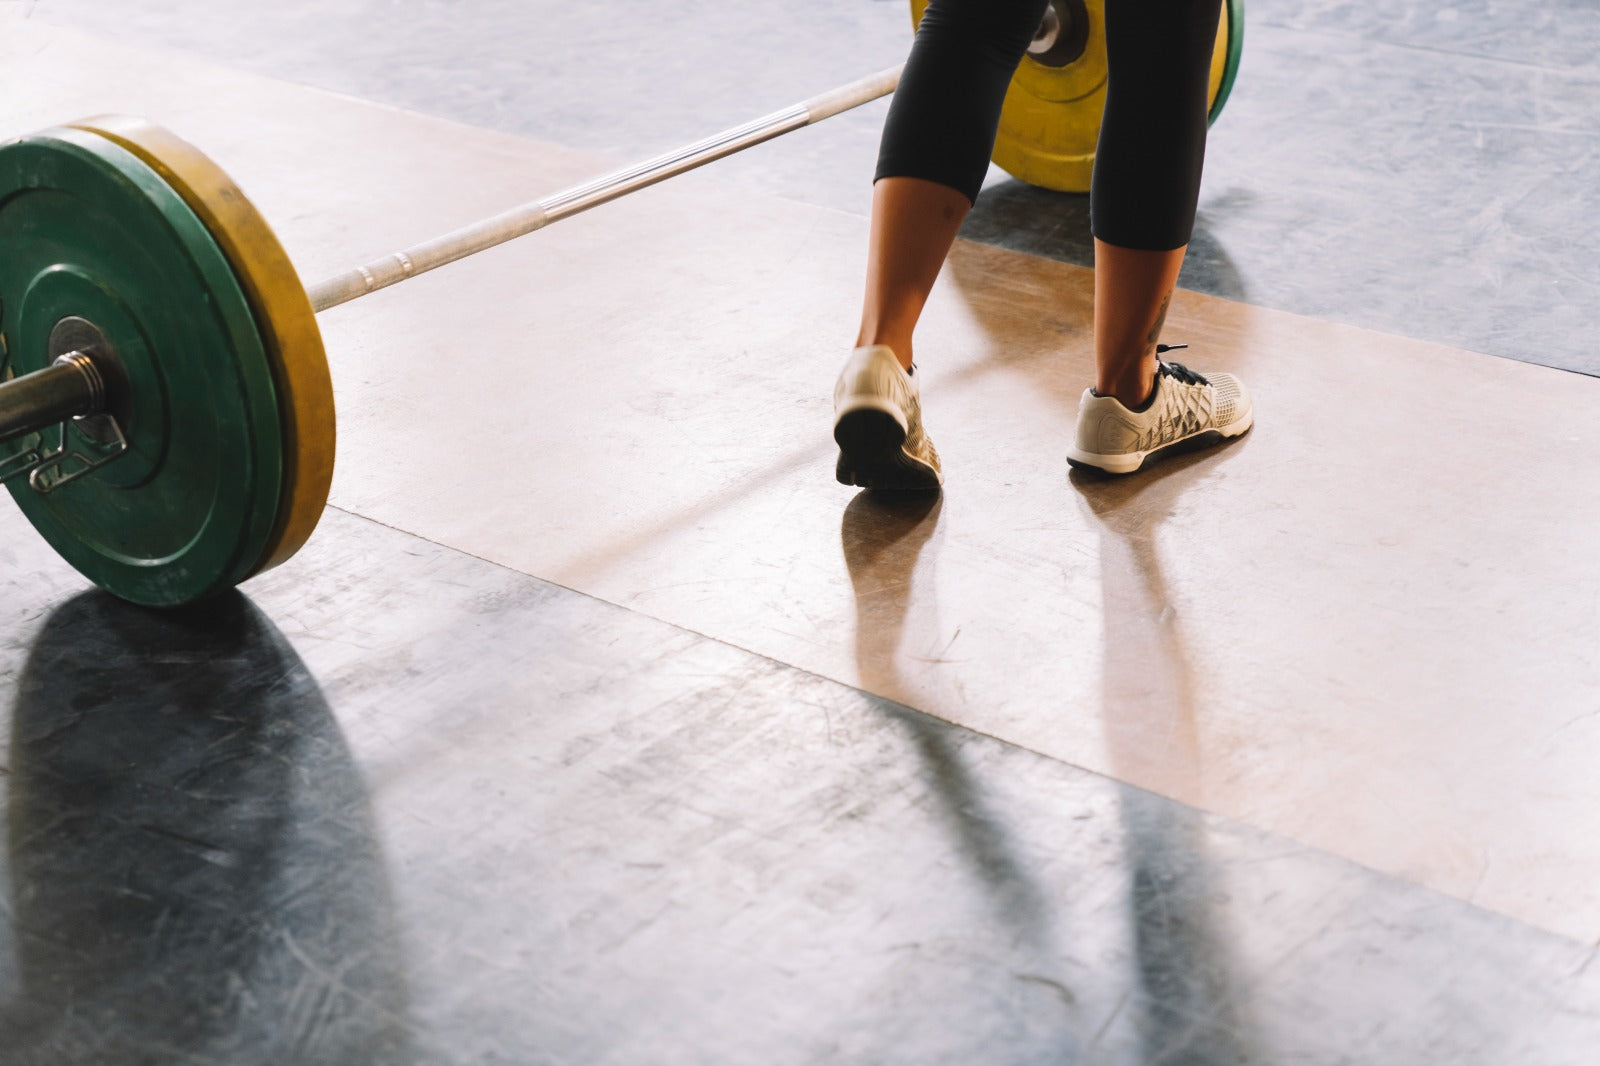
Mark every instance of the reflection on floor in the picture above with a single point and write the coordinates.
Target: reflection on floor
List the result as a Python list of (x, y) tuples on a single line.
[(403, 806)]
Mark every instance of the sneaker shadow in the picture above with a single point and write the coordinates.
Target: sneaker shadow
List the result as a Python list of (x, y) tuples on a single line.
[(1148, 699), (1186, 998), (1150, 707), (883, 536)]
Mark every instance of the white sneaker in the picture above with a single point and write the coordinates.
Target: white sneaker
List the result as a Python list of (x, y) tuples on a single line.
[(1187, 411), (877, 420)]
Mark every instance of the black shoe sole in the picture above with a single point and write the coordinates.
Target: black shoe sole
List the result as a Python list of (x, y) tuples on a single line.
[(872, 455)]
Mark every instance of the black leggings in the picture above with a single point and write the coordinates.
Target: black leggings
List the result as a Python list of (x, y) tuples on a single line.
[(945, 114)]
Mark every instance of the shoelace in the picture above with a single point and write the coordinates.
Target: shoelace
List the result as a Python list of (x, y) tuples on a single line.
[(1177, 371)]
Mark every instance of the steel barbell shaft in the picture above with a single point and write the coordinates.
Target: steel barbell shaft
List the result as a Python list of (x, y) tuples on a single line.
[(520, 221)]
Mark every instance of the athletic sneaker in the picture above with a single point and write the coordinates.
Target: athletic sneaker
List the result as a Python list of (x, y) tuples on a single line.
[(877, 420), (1186, 411)]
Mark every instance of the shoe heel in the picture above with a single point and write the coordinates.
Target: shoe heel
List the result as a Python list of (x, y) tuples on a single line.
[(869, 432), (872, 456)]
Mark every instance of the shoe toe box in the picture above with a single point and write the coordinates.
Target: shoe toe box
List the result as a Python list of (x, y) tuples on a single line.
[(1231, 399)]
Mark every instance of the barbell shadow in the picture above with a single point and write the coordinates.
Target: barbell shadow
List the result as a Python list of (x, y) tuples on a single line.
[(194, 870)]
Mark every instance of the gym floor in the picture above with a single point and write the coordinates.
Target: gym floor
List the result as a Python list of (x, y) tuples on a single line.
[(597, 725)]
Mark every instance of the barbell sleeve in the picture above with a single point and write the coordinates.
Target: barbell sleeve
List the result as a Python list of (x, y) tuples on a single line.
[(520, 221), (68, 388)]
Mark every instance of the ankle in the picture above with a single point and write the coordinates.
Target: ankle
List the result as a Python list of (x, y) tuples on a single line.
[(902, 355), (897, 343), (1135, 395)]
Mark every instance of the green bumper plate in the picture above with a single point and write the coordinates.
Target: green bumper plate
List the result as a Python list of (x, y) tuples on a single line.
[(89, 231)]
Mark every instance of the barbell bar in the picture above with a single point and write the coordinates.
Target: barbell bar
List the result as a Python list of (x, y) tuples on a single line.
[(150, 316), (520, 221)]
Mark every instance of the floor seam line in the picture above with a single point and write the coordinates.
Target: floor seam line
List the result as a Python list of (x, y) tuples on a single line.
[(752, 652)]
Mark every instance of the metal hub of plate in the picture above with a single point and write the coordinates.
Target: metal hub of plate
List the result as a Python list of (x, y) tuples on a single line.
[(78, 335), (1063, 34)]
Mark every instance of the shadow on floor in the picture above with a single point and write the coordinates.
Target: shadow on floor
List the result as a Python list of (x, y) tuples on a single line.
[(1183, 1001), (1025, 218), (193, 870), (1190, 1008)]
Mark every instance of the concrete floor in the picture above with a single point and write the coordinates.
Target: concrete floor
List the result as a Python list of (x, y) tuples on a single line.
[(601, 727)]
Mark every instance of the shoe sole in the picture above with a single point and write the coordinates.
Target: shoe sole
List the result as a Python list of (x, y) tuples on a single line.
[(1133, 462), (872, 454)]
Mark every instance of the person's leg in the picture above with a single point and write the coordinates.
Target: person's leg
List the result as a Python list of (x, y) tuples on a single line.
[(1142, 204), (935, 151), (914, 222), (1132, 288), (1146, 178)]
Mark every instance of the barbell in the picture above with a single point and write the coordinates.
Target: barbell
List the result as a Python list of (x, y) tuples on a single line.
[(166, 409)]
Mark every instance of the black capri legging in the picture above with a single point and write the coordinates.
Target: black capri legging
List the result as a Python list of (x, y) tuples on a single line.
[(944, 117)]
